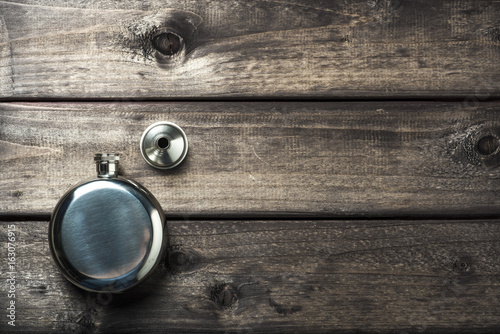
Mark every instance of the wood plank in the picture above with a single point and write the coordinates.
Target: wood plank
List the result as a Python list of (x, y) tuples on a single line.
[(43, 301), (334, 159), (282, 276), (249, 48)]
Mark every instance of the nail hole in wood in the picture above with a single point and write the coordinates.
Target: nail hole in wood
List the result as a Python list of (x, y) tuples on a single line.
[(167, 43), (488, 145), (462, 266)]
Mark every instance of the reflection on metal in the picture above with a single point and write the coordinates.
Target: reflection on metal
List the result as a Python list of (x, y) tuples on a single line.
[(107, 233)]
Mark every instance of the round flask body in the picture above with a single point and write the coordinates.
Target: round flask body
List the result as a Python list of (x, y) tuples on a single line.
[(107, 234)]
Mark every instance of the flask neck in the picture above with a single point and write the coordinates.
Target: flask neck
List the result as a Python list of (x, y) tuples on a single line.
[(107, 165)]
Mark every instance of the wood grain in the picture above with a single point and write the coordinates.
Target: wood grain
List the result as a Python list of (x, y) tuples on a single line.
[(282, 276), (249, 48), (335, 159)]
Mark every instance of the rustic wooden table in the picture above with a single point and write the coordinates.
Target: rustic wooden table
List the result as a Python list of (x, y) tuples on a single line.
[(343, 173)]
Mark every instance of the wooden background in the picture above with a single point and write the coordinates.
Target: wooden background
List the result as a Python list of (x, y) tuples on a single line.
[(343, 173)]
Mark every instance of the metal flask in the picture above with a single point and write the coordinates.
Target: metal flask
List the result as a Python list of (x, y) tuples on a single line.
[(107, 233)]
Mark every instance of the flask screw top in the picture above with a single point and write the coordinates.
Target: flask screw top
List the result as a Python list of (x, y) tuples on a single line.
[(107, 164)]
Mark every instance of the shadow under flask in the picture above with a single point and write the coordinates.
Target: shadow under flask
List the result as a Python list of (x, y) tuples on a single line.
[(107, 234)]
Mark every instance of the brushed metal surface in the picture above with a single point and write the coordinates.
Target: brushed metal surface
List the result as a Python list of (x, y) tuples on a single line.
[(107, 234), (164, 145)]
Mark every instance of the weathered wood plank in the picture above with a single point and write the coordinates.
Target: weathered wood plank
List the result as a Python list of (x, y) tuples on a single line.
[(336, 159), (249, 48), (43, 301), (281, 276)]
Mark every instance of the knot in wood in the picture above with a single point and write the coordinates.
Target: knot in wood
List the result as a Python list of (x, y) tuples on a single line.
[(167, 43), (178, 259), (487, 145), (223, 295)]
